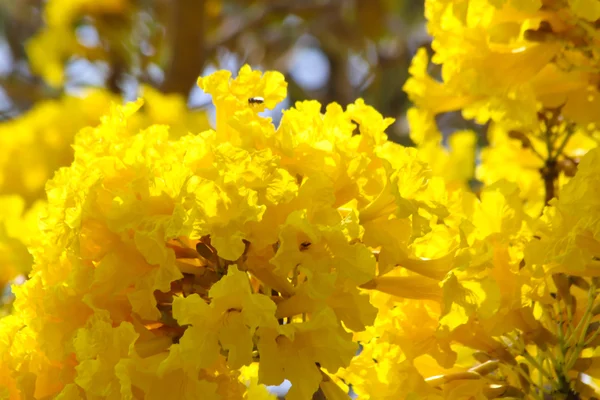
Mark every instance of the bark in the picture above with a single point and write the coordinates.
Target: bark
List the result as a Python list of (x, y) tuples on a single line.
[(186, 42)]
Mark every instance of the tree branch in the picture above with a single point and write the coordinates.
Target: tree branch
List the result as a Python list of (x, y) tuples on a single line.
[(186, 32)]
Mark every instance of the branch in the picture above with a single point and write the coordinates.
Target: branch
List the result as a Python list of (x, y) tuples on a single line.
[(319, 395), (186, 31), (252, 18), (24, 93)]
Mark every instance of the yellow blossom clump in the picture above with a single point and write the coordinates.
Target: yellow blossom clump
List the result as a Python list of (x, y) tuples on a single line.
[(502, 60), (178, 262), (528, 69), (454, 162), (496, 294), (531, 159), (18, 230), (168, 265), (57, 42), (215, 263), (569, 239), (36, 144)]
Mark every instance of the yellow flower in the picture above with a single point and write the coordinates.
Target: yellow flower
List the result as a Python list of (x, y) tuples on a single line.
[(229, 323), (99, 347), (66, 12), (569, 235), (379, 373), (455, 164), (56, 42), (48, 51), (18, 231), (232, 99), (501, 59), (171, 110), (36, 144), (296, 352)]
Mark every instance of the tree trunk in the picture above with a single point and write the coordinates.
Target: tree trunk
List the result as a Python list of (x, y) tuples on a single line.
[(186, 43)]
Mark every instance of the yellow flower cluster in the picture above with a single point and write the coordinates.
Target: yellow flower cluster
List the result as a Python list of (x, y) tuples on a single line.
[(168, 265), (53, 45), (18, 228), (38, 143), (500, 59), (207, 265), (512, 314), (528, 68), (503, 302)]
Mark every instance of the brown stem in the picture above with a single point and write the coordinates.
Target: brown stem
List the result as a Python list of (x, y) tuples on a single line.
[(113, 83), (339, 89), (252, 18), (551, 117), (186, 32), (112, 27), (319, 395), (550, 175)]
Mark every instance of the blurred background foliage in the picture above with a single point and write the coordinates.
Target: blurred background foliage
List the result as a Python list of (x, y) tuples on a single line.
[(329, 50)]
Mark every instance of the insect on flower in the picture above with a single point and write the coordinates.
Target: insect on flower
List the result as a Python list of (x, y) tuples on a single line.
[(304, 246), (356, 130), (256, 100)]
